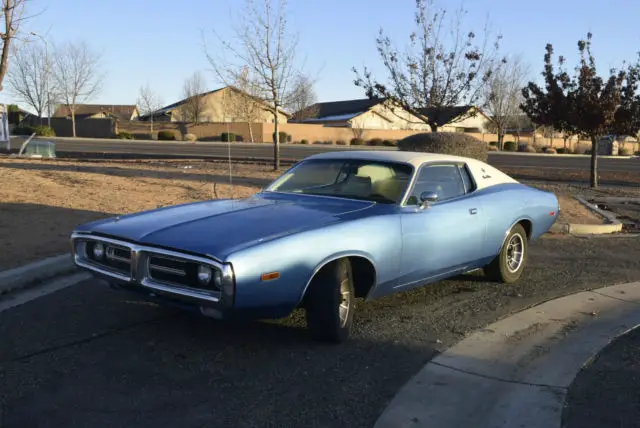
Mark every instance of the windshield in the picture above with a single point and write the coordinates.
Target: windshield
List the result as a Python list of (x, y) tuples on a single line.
[(383, 182)]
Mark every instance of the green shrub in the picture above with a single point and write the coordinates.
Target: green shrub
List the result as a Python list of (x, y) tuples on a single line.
[(284, 137), (562, 151), (493, 143), (357, 141), (625, 151), (239, 138), (451, 143), (510, 146), (389, 143), (44, 131), (123, 135), (304, 142), (341, 143), (23, 130), (637, 153), (374, 142), (526, 148), (166, 135), (317, 142), (227, 137), (190, 137)]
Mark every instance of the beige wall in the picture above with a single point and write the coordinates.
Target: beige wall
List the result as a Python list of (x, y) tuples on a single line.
[(204, 131), (477, 121), (384, 117), (326, 133), (227, 105)]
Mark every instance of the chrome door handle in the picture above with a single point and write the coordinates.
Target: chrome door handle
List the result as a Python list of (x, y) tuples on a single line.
[(473, 211)]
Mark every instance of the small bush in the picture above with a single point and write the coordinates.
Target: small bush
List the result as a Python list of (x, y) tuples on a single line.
[(562, 151), (284, 137), (389, 143), (289, 138), (23, 130), (44, 131), (341, 143), (166, 135), (637, 153), (190, 137), (374, 142), (625, 151), (122, 135), (510, 146), (492, 148), (451, 143), (550, 151), (317, 142), (239, 139), (357, 142), (526, 148), (493, 143), (227, 137), (304, 142)]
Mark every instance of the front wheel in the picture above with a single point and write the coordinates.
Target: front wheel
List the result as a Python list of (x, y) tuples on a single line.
[(509, 263), (331, 303)]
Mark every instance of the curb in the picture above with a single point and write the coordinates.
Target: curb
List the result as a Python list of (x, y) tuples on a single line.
[(516, 371), (613, 224), (33, 273)]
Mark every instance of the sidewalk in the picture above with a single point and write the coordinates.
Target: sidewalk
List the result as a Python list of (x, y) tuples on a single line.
[(606, 393)]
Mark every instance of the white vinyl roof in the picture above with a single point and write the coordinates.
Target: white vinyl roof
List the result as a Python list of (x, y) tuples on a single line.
[(485, 174)]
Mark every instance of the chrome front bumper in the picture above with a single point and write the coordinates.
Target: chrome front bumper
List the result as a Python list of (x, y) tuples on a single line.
[(138, 273)]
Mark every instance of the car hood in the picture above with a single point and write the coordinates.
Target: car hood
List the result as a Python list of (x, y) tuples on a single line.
[(219, 228)]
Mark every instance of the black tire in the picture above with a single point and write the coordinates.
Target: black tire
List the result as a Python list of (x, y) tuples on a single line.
[(499, 269), (324, 298)]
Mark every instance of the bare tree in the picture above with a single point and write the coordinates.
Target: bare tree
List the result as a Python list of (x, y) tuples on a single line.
[(246, 102), (13, 16), (148, 102), (75, 72), (302, 100), (193, 92), (436, 71), (28, 77), (268, 50), (504, 95)]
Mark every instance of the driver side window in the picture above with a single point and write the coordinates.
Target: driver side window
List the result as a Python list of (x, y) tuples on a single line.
[(444, 179)]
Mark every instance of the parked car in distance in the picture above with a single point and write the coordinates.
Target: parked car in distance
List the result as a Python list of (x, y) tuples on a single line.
[(333, 228)]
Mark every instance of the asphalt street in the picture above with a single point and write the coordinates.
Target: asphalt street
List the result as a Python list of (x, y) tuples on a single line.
[(90, 356), (296, 152), (605, 393)]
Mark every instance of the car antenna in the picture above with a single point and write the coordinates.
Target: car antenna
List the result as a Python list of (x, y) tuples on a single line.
[(224, 100)]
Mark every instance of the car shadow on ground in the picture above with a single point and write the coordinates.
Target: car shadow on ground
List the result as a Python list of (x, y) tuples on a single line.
[(179, 174)]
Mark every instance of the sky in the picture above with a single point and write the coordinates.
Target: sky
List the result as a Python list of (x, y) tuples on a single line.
[(160, 42)]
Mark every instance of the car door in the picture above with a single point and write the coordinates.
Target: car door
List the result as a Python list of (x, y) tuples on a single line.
[(447, 235)]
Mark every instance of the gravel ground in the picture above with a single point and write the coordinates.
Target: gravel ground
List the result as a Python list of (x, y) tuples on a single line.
[(606, 393), (89, 356)]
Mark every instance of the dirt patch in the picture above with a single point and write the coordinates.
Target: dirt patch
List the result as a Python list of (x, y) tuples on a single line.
[(572, 211), (42, 201)]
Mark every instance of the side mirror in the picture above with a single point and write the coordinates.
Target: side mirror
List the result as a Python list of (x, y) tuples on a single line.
[(428, 198)]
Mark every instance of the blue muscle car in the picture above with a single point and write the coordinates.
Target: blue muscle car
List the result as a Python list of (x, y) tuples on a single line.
[(335, 227)]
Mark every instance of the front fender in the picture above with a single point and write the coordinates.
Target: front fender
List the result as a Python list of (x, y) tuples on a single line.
[(297, 258)]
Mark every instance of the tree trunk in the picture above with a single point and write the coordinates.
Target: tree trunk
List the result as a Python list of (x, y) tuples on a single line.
[(594, 162), (276, 141), (151, 118), (250, 132), (73, 122), (500, 139), (434, 127)]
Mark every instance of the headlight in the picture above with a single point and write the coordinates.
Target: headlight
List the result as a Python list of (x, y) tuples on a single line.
[(204, 274), (98, 250), (217, 279)]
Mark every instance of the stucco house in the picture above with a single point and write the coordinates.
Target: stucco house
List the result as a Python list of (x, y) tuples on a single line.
[(98, 111), (458, 119), (226, 104), (366, 113)]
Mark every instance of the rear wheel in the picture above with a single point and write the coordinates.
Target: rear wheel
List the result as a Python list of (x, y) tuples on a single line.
[(509, 264), (331, 303)]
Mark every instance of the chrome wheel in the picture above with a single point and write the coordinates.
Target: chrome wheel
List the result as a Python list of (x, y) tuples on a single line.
[(345, 302), (515, 253)]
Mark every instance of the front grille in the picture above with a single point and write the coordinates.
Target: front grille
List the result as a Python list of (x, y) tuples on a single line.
[(176, 271), (115, 258)]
